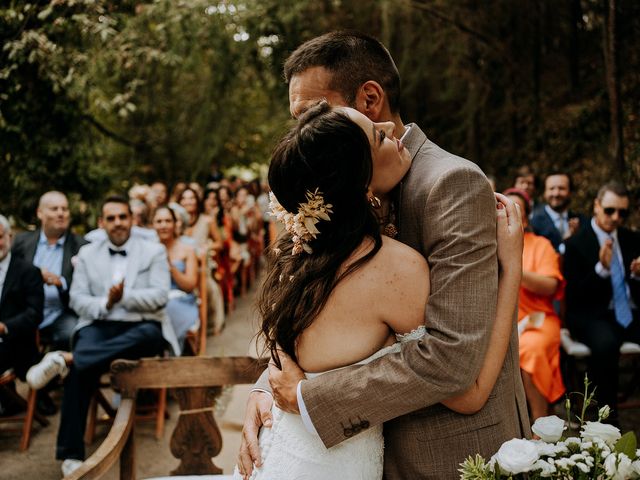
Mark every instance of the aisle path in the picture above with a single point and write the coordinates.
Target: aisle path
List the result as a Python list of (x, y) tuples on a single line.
[(152, 459)]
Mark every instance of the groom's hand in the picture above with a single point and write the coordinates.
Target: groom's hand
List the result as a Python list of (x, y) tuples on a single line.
[(258, 413), (284, 383)]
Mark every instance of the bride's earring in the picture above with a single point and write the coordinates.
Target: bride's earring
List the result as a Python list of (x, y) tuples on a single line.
[(374, 201)]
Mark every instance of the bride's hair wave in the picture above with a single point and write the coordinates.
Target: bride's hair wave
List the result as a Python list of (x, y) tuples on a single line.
[(326, 151)]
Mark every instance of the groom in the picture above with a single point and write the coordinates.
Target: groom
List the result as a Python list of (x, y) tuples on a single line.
[(447, 213)]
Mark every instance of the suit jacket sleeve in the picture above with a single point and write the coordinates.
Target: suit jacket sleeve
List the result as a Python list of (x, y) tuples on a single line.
[(459, 235), (29, 315), (155, 295)]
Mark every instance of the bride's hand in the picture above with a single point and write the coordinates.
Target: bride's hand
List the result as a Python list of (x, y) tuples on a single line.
[(510, 233), (257, 414)]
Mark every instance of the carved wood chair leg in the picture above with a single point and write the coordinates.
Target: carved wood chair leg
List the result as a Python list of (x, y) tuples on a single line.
[(90, 431), (160, 412)]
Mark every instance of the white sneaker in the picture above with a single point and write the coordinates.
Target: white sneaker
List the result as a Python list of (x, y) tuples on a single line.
[(69, 466), (51, 365)]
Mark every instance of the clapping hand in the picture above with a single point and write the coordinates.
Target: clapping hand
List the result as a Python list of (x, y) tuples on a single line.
[(606, 252), (115, 294), (574, 226), (50, 278), (635, 267)]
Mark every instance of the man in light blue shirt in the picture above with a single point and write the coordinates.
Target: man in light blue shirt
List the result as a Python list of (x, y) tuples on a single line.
[(52, 249)]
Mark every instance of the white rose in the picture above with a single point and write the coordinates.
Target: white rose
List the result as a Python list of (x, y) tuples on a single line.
[(592, 431), (635, 465), (546, 469), (549, 429), (618, 467), (517, 456)]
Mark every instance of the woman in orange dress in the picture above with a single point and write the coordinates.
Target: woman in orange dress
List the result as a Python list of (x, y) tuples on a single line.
[(542, 283)]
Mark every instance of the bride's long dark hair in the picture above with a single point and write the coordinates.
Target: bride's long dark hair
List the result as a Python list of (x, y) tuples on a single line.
[(329, 152)]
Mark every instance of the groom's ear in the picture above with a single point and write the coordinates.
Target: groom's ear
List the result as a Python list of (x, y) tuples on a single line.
[(370, 100)]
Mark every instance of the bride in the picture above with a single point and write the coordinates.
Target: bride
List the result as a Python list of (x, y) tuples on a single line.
[(338, 293)]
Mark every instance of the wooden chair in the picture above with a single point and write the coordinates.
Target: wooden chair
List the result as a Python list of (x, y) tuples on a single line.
[(196, 439), (196, 341), (6, 380), (574, 354)]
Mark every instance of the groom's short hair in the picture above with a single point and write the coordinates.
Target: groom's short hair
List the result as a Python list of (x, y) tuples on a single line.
[(352, 58)]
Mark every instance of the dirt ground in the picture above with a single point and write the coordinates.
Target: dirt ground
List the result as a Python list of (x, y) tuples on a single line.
[(153, 457)]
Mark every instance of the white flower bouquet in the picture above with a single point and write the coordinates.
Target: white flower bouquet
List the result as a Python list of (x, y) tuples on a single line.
[(600, 452)]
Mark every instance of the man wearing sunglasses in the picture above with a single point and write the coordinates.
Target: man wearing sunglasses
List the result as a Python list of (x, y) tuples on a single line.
[(602, 269)]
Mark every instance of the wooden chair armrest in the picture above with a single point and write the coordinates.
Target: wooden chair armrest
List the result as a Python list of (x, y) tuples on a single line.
[(109, 451)]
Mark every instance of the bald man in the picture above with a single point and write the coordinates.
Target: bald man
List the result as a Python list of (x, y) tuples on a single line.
[(51, 248)]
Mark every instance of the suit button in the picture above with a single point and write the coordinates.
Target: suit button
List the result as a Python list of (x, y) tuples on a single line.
[(348, 432), (364, 424), (356, 429)]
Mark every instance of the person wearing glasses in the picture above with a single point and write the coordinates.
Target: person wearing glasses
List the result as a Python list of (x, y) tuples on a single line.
[(602, 270)]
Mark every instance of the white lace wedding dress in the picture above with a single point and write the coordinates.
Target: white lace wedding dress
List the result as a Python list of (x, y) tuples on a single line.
[(289, 451)]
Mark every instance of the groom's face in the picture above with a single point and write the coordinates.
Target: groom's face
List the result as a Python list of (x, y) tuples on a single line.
[(309, 87)]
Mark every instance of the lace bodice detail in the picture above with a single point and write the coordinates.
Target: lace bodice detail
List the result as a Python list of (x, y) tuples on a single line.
[(289, 451)]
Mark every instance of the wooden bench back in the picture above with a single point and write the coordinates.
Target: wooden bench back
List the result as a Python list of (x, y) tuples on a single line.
[(197, 381)]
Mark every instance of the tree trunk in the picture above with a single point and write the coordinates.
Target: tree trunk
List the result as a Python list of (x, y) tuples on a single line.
[(575, 19), (611, 61)]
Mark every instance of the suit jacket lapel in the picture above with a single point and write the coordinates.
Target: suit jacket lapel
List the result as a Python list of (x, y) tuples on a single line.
[(133, 257), (69, 244), (412, 141), (31, 245), (9, 279)]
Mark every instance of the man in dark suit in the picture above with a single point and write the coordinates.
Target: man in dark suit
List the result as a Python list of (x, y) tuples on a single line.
[(21, 300), (553, 219), (51, 248), (602, 269)]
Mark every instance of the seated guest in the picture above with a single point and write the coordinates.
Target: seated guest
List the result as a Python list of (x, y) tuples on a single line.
[(202, 228), (204, 231), (182, 307), (119, 290), (542, 283), (159, 194), (602, 268), (553, 219), (21, 306), (51, 248)]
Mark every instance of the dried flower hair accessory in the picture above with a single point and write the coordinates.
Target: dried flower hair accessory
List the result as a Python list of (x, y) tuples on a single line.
[(302, 225)]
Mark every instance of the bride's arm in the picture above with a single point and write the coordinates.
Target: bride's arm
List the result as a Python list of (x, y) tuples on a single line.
[(510, 257)]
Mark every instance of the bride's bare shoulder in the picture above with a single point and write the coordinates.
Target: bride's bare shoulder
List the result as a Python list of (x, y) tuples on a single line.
[(399, 258)]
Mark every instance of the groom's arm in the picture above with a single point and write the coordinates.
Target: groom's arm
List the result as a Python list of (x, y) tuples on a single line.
[(458, 231)]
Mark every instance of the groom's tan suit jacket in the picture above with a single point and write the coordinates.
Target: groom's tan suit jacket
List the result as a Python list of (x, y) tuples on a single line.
[(447, 213)]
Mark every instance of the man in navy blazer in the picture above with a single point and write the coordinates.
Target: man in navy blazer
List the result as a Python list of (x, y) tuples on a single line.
[(21, 300), (51, 248), (602, 311), (553, 219)]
